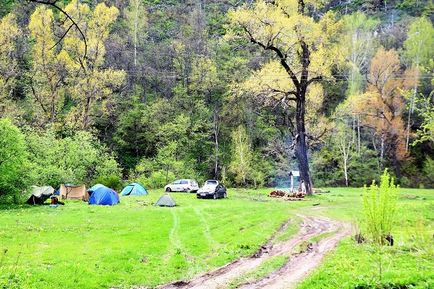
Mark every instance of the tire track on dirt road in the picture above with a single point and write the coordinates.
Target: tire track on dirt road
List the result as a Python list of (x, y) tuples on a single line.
[(298, 266)]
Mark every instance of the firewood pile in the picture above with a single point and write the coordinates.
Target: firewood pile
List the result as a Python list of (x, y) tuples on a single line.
[(277, 194), (295, 196)]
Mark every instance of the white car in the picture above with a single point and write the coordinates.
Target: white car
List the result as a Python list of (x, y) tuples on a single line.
[(184, 185)]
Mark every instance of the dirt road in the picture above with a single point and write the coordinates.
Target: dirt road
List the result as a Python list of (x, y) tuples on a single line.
[(296, 269)]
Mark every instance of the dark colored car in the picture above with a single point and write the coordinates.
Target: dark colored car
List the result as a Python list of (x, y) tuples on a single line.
[(212, 189)]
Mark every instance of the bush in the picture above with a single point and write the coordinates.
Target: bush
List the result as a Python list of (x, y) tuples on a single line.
[(164, 168), (111, 181), (379, 207), (77, 159), (157, 179), (428, 169), (14, 167)]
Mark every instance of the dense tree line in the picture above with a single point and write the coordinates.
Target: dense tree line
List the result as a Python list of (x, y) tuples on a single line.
[(153, 90)]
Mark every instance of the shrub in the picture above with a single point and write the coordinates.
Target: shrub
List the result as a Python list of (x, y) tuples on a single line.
[(157, 179), (14, 176), (111, 181), (428, 169), (379, 208), (80, 158)]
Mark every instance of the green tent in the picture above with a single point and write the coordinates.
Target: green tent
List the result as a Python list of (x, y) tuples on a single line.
[(40, 195), (165, 201)]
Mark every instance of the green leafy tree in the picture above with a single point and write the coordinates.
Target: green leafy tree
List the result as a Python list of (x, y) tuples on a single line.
[(419, 53), (80, 158), (242, 157), (14, 167), (136, 17), (135, 136), (358, 43)]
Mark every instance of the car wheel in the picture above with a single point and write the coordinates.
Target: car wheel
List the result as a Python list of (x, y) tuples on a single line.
[(225, 195), (168, 189), (214, 196)]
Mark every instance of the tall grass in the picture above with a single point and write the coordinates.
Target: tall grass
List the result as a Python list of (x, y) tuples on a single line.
[(379, 209)]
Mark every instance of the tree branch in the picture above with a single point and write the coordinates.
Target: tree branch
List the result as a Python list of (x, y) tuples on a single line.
[(286, 93), (63, 36), (53, 4), (315, 79), (279, 53)]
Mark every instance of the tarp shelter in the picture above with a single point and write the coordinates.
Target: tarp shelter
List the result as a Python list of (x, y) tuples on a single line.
[(40, 195), (73, 192), (134, 189), (103, 196), (165, 201)]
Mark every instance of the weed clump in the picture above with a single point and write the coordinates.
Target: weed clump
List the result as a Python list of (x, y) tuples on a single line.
[(379, 209)]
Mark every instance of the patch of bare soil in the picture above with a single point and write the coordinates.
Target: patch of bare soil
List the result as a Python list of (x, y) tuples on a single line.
[(298, 266)]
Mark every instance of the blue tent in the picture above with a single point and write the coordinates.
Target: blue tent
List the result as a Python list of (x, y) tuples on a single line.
[(103, 196), (134, 189), (95, 187)]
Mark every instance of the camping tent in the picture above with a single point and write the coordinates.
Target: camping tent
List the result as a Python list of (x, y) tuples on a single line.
[(134, 189), (165, 201), (103, 196), (94, 188), (73, 192), (40, 195)]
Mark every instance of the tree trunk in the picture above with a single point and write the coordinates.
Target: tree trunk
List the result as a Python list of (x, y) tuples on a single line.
[(382, 151), (301, 146), (345, 171), (411, 109), (358, 134), (216, 146), (136, 25)]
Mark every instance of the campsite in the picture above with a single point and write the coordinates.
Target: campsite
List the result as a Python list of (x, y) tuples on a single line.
[(137, 244), (216, 144)]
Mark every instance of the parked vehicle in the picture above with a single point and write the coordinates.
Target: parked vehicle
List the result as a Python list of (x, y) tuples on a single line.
[(212, 189), (183, 185)]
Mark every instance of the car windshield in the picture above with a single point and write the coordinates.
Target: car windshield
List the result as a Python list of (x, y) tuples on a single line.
[(177, 182), (184, 182), (211, 183)]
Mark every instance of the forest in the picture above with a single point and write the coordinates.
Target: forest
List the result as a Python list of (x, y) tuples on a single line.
[(239, 91)]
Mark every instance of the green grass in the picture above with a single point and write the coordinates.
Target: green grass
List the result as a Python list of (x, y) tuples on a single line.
[(408, 263), (81, 246)]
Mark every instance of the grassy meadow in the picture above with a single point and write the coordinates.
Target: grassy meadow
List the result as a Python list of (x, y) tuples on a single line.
[(408, 264), (135, 243)]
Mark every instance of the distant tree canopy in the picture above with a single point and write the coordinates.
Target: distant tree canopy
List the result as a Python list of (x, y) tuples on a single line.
[(156, 90)]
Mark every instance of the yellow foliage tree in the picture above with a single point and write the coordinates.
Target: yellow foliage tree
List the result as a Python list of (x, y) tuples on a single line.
[(9, 33), (91, 85), (48, 72), (382, 106), (304, 50)]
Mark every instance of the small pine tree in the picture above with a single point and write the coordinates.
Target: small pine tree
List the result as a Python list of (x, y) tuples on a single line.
[(379, 208)]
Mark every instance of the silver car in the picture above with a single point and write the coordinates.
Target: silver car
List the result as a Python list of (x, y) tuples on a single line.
[(184, 185)]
